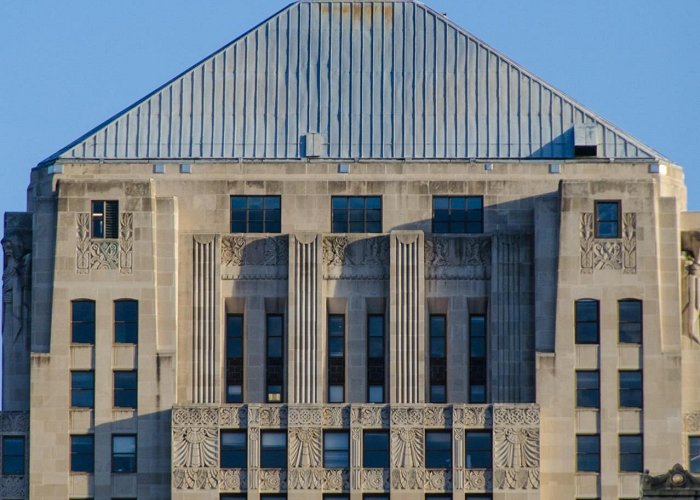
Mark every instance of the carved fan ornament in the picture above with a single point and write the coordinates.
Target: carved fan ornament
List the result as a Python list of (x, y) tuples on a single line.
[(608, 253)]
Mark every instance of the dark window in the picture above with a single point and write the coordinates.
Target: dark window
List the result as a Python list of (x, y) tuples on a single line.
[(438, 497), (126, 322), (587, 389), (234, 358), (336, 450), (275, 358), (631, 389), (242, 496), (83, 321), (256, 214), (438, 358), (277, 496), (125, 383), (356, 214), (82, 453), (13, 455), (477, 358), (588, 453), (587, 321), (694, 453), (478, 444), (631, 455), (458, 214), (124, 454), (273, 449), (82, 389), (233, 450), (375, 358), (375, 450), (630, 321), (607, 219), (478, 497), (373, 496), (333, 496), (105, 219), (438, 449), (336, 358)]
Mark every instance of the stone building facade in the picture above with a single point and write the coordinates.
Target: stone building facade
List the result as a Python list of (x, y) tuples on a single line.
[(356, 253)]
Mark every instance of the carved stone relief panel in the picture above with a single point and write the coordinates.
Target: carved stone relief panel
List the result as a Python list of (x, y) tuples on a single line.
[(407, 448), (305, 447), (478, 480), (105, 254), (457, 257), (438, 480), (608, 253), (691, 422), (370, 416), (355, 257), (233, 417), (233, 480), (267, 416), (272, 480), (13, 487), (516, 447), (195, 445), (472, 416), (251, 257), (375, 480)]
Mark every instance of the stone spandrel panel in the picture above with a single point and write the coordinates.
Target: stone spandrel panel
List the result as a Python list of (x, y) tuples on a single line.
[(457, 257), (347, 256), (103, 253), (618, 254), (254, 257), (516, 447)]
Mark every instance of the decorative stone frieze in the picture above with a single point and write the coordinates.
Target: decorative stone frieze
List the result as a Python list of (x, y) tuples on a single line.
[(472, 416), (334, 480), (272, 480), (407, 448), (14, 422), (375, 480), (251, 258), (355, 257), (267, 416), (478, 480), (371, 416), (233, 480), (407, 479), (609, 253), (13, 487), (304, 416), (233, 417), (104, 254), (428, 416), (516, 447), (195, 479), (691, 422), (195, 447), (457, 257), (438, 480)]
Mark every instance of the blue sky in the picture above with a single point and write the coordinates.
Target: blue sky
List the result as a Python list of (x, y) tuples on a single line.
[(67, 66)]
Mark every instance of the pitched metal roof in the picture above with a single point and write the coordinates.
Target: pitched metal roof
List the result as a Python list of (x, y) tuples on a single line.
[(377, 79)]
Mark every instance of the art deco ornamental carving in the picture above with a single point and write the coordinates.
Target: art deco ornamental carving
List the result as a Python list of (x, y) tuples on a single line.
[(353, 257), (195, 448), (105, 254), (609, 253), (250, 257), (516, 448), (457, 257)]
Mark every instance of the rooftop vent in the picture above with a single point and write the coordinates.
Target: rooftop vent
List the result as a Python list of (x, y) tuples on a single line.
[(312, 145), (586, 140)]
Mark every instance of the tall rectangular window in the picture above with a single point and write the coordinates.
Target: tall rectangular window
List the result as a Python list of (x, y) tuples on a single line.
[(375, 450), (438, 449), (694, 453), (336, 358), (335, 496), (82, 389), (588, 453), (477, 358), (375, 358), (336, 450), (83, 321), (374, 496), (630, 388), (587, 389), (630, 321), (82, 453), (356, 214), (273, 449), (125, 384), (478, 447), (478, 497), (607, 219), (124, 454), (458, 214), (587, 323), (234, 358), (126, 321), (631, 453), (278, 496), (256, 214), (275, 358), (234, 451), (13, 451), (438, 358), (105, 219)]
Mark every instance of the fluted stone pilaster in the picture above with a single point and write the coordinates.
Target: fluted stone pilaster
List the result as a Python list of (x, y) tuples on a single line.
[(407, 337), (304, 298)]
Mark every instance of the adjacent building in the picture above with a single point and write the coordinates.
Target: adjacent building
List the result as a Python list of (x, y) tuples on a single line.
[(356, 253)]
